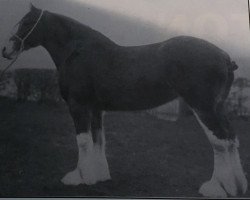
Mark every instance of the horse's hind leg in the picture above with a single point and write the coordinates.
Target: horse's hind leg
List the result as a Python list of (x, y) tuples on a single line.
[(92, 165), (228, 177)]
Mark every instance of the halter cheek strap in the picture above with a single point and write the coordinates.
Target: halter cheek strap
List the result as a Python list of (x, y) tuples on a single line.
[(22, 40)]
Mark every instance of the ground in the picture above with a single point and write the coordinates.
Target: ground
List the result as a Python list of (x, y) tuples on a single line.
[(148, 157)]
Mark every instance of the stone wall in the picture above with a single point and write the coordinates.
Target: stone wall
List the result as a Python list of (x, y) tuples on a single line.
[(31, 85), (8, 86)]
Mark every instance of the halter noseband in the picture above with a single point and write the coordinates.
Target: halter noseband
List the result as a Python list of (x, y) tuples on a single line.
[(22, 40)]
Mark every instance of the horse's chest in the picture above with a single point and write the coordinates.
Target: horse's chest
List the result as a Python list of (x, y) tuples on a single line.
[(75, 85)]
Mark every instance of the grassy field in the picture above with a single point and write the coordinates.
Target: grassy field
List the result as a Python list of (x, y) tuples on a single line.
[(148, 157)]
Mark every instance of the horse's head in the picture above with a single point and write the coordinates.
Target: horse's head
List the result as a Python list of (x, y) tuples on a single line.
[(28, 34)]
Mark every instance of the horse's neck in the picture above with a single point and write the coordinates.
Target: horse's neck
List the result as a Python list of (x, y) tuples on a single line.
[(57, 40), (59, 53), (63, 36)]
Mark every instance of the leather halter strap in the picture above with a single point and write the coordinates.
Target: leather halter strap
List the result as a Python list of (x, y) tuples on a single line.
[(29, 33)]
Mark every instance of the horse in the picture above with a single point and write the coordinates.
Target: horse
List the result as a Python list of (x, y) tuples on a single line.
[(97, 75)]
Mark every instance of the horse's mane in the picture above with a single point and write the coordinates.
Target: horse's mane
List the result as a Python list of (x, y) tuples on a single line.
[(80, 30)]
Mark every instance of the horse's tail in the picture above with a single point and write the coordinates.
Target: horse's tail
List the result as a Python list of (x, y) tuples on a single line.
[(232, 66)]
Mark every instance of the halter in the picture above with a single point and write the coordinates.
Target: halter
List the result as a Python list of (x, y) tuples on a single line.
[(29, 33), (22, 43)]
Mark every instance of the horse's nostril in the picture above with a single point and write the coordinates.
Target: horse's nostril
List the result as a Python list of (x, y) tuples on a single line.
[(3, 52)]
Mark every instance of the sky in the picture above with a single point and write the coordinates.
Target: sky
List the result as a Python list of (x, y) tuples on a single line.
[(137, 22)]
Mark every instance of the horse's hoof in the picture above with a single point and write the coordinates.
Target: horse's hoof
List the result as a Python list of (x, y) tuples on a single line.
[(241, 181), (231, 185), (72, 178), (75, 178), (242, 184), (212, 189)]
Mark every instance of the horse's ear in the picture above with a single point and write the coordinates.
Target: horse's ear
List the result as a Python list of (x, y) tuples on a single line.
[(32, 7)]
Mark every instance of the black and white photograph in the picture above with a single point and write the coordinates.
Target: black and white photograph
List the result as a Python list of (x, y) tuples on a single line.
[(125, 98)]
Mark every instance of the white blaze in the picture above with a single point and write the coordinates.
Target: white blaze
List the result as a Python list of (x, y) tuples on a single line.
[(9, 49), (9, 46)]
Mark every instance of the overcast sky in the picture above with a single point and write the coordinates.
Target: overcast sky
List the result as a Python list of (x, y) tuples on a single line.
[(136, 22)]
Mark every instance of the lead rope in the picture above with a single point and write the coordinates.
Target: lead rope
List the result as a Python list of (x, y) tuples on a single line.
[(21, 46), (9, 65)]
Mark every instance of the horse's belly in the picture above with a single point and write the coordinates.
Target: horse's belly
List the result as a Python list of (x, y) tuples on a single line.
[(126, 100)]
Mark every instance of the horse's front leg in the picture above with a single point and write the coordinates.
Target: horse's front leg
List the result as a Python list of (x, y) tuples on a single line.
[(92, 165), (97, 130)]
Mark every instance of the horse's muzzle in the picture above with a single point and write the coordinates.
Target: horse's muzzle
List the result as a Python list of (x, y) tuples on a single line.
[(5, 55)]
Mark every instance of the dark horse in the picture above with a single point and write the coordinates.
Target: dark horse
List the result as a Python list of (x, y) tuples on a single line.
[(97, 75)]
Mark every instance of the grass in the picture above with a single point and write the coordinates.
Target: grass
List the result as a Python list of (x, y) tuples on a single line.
[(148, 157)]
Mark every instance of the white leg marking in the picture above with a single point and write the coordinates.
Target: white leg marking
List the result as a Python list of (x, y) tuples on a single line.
[(228, 176), (92, 164)]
